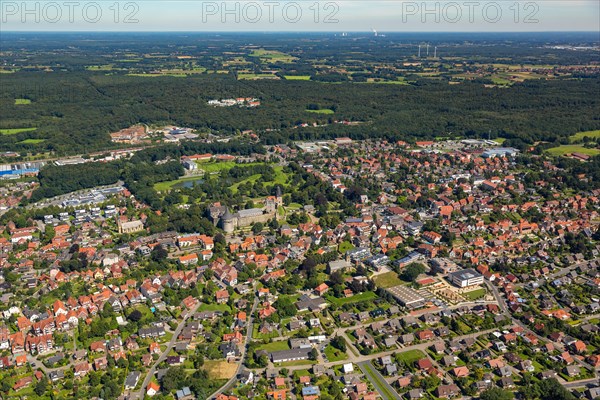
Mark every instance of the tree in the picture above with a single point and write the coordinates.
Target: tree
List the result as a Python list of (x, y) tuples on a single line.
[(314, 354), (257, 227), (174, 379), (285, 307), (551, 389), (159, 253), (41, 386), (135, 316), (336, 278), (411, 272), (496, 393), (339, 343)]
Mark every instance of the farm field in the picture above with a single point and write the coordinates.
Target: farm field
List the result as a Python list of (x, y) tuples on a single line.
[(580, 135), (297, 77), (22, 101), (256, 76), (572, 148), (14, 131), (272, 56), (32, 141), (321, 111)]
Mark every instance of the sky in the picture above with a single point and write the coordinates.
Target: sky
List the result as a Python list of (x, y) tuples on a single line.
[(301, 15)]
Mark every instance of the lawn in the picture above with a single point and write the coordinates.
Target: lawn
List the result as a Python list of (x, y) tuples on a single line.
[(334, 354), (321, 111), (572, 148), (251, 179), (166, 185), (387, 280), (280, 176), (275, 346), (580, 135), (32, 141), (345, 246), (216, 166), (352, 299), (474, 294), (219, 369), (15, 131), (297, 77), (500, 140), (214, 307), (22, 101), (410, 357)]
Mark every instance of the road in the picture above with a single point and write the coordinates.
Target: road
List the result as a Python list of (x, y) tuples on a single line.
[(163, 356), (386, 391), (582, 383), (249, 330)]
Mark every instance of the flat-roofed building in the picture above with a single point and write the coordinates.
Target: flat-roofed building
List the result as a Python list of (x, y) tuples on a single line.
[(407, 296), (465, 277)]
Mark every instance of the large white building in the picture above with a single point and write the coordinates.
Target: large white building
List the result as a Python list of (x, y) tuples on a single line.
[(466, 277)]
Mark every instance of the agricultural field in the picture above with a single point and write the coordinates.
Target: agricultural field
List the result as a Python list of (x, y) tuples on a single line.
[(32, 141), (297, 77), (246, 76), (158, 75), (19, 102), (14, 131), (272, 56), (321, 111), (580, 135), (572, 148)]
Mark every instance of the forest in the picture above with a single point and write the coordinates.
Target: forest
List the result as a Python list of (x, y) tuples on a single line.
[(95, 105), (64, 94)]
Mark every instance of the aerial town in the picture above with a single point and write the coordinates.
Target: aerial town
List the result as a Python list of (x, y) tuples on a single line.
[(428, 270)]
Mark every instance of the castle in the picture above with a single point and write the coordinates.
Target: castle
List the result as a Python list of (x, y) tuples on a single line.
[(229, 222)]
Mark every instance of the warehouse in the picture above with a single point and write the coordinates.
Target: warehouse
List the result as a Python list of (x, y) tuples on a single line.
[(407, 296)]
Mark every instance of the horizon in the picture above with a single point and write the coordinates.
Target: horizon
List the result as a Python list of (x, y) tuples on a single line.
[(385, 16)]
